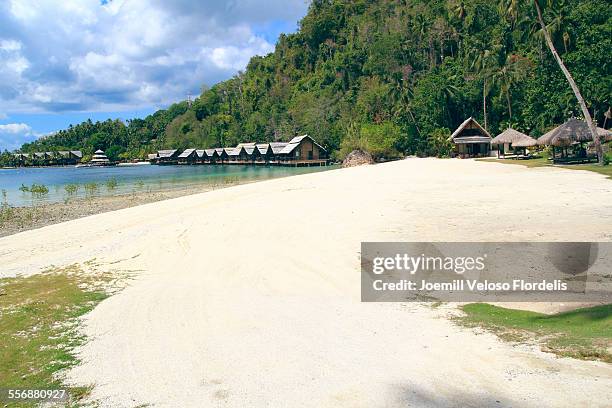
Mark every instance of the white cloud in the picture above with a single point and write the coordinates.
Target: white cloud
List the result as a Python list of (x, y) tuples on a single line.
[(81, 55), (15, 128), (10, 45), (13, 135)]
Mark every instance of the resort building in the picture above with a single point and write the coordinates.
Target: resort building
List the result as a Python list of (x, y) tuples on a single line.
[(571, 142), (167, 157), (300, 151), (512, 143), (99, 159), (470, 140), (189, 156), (52, 158)]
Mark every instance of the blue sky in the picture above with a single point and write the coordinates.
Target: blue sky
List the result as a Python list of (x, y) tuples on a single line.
[(62, 62)]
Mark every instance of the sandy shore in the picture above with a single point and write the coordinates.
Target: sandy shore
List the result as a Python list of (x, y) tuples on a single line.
[(249, 296)]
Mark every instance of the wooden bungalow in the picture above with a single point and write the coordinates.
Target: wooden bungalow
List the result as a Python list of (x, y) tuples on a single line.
[(303, 150), (39, 159), (277, 148), (210, 156), (201, 156), (222, 153), (511, 143), (76, 156), (189, 156), (263, 153), (167, 156), (470, 140), (22, 159)]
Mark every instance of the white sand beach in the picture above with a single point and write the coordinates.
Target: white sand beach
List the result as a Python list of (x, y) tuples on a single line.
[(250, 296)]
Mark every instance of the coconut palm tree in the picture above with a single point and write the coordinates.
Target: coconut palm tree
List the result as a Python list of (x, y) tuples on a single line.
[(512, 10)]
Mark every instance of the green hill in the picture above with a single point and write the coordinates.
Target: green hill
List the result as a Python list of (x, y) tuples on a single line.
[(394, 76)]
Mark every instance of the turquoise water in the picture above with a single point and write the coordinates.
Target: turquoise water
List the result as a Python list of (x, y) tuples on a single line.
[(100, 181)]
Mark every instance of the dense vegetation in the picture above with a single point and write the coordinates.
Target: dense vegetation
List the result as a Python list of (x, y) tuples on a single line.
[(392, 76)]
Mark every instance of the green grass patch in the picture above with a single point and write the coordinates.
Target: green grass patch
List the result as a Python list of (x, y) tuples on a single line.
[(39, 326), (582, 333), (543, 162)]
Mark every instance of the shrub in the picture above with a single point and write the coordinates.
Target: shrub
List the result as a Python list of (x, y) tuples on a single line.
[(71, 189), (91, 188), (111, 184), (376, 139), (39, 189), (438, 143)]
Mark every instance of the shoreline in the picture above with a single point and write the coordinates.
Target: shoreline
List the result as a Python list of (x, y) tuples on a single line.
[(23, 218)]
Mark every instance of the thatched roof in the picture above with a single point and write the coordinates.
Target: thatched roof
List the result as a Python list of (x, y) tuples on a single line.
[(573, 130), (527, 141), (509, 136), (470, 130)]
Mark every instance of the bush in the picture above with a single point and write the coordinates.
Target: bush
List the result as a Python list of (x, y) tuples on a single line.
[(71, 189), (438, 143), (376, 139), (91, 188), (111, 184)]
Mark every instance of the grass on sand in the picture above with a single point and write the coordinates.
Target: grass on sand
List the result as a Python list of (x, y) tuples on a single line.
[(582, 333), (39, 326), (543, 162)]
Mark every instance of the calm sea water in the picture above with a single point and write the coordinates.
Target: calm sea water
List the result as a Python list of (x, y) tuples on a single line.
[(101, 181)]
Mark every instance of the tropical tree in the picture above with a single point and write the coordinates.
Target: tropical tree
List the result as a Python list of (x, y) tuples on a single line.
[(512, 8)]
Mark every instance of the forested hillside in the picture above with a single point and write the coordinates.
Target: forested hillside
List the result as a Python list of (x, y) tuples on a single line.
[(395, 76)]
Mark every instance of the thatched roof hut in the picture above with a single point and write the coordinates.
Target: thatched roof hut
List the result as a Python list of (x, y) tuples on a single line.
[(509, 136), (528, 141), (572, 131)]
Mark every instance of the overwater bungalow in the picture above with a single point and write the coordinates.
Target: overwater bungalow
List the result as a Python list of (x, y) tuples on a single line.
[(238, 155), (300, 151), (222, 154), (22, 159), (211, 156), (188, 156), (201, 156), (263, 153), (167, 156), (470, 140), (303, 150), (569, 139), (277, 148), (512, 143)]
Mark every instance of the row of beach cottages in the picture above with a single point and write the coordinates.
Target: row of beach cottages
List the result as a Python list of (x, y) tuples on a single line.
[(57, 158), (470, 139), (299, 151)]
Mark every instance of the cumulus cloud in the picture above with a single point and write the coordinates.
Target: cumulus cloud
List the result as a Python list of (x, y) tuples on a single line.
[(85, 55), (13, 135)]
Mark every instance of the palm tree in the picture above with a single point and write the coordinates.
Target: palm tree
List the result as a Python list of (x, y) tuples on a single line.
[(484, 63), (511, 7), (513, 71)]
